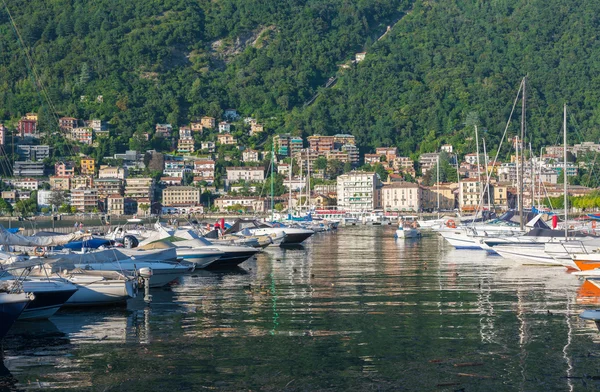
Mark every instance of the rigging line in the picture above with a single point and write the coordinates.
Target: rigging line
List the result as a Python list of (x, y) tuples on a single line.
[(33, 72), (486, 188)]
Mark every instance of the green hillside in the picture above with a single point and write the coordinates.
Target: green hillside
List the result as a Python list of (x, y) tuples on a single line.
[(170, 61)]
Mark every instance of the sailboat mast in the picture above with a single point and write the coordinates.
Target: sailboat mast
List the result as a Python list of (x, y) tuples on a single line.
[(438, 186), (518, 178), (487, 176), (566, 200), (532, 176), (291, 167), (308, 178), (523, 112), (272, 184)]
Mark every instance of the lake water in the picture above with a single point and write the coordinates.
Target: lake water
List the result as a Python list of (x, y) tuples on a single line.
[(353, 310)]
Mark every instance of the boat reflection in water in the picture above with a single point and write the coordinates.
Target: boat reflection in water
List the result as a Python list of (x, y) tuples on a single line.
[(344, 312)]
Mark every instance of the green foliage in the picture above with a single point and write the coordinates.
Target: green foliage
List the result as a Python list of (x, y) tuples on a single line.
[(5, 207)]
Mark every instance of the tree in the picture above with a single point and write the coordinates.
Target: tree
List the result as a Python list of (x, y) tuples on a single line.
[(321, 163), (5, 207), (279, 207), (64, 208), (56, 199), (145, 207)]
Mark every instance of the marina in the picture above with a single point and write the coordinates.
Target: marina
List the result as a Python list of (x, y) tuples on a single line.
[(353, 309)]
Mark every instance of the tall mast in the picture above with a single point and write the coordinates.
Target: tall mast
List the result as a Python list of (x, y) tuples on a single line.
[(523, 113), (308, 179), (532, 176), (487, 176), (291, 167), (438, 186), (566, 200), (518, 178), (272, 184)]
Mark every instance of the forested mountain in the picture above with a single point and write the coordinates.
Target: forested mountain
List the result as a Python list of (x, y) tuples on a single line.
[(172, 60)]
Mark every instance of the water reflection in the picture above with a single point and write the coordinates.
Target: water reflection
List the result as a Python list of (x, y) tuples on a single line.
[(353, 310)]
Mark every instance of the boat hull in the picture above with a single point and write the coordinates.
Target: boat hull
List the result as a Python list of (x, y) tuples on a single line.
[(407, 233), (46, 302), (101, 292), (11, 307)]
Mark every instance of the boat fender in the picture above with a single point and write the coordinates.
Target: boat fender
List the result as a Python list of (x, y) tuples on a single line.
[(593, 224)]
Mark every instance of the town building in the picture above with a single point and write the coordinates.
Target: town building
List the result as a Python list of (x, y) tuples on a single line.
[(447, 198), (256, 129), (427, 161), (164, 130), (181, 196), (67, 123), (248, 174), (64, 169), (83, 135), (26, 183), (231, 114), (60, 183), (84, 199), (469, 194), (85, 181), (204, 171), (401, 196), (287, 145), (185, 144), (43, 198), (208, 146), (358, 191), (28, 169), (196, 127), (108, 186), (88, 165), (224, 127), (33, 153), (10, 196), (27, 126), (106, 171), (98, 126), (119, 205), (372, 159), (169, 181), (249, 155), (226, 138), (139, 188), (208, 122)]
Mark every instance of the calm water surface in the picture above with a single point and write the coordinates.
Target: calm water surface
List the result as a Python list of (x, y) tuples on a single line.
[(353, 310)]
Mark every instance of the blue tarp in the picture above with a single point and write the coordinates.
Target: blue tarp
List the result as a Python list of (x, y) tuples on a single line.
[(94, 243)]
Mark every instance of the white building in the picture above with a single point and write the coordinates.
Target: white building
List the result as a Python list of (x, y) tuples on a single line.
[(224, 127), (358, 191), (248, 174), (43, 198), (106, 171)]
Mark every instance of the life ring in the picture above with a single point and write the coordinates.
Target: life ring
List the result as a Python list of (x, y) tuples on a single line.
[(451, 224), (593, 224), (39, 251)]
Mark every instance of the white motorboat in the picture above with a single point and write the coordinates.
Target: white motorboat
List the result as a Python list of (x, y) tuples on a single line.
[(95, 288), (162, 273), (285, 235), (407, 232), (189, 243)]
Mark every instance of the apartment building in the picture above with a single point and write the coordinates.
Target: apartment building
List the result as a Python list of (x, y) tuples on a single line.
[(181, 196), (84, 199), (401, 196), (358, 191)]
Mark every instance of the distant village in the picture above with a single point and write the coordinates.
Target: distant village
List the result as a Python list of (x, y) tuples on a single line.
[(191, 182)]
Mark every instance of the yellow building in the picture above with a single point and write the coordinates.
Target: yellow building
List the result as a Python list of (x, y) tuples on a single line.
[(88, 165)]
